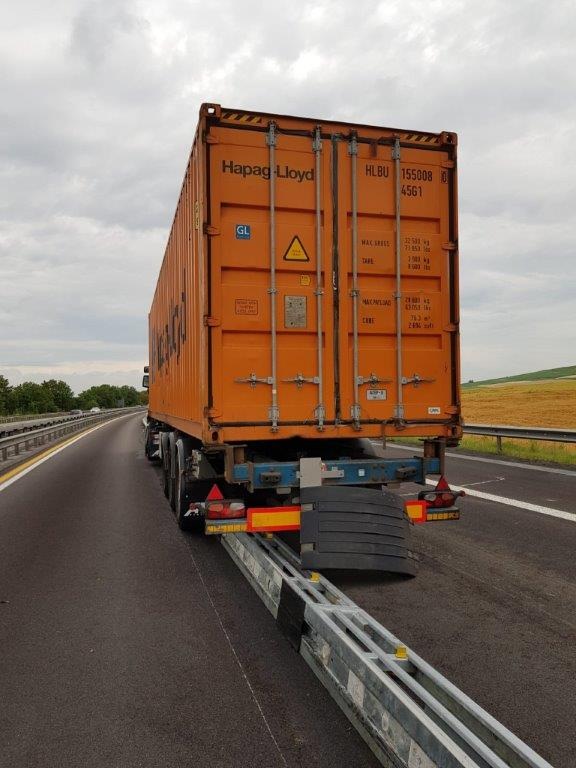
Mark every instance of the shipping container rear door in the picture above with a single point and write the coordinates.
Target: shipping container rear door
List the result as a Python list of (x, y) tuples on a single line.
[(265, 373), (333, 351), (391, 370)]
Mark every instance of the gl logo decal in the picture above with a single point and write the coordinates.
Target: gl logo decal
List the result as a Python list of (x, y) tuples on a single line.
[(242, 231)]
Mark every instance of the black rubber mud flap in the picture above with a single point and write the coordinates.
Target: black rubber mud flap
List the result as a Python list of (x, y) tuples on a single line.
[(354, 528)]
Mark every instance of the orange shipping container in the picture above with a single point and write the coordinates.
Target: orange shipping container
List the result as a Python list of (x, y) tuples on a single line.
[(310, 283)]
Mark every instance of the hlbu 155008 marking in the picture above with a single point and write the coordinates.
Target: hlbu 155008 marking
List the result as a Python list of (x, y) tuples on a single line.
[(263, 171)]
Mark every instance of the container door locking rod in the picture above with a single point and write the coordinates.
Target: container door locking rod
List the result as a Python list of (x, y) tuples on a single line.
[(355, 293), (317, 148), (274, 413), (399, 408)]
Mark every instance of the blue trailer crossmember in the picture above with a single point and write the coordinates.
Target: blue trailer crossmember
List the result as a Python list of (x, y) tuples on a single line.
[(339, 472)]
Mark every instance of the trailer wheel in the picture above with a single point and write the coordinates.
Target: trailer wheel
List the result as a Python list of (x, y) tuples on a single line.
[(165, 449), (183, 490), (149, 451), (172, 470)]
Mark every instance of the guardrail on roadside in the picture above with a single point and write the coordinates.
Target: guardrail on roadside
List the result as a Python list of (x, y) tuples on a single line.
[(19, 427), (405, 710), (520, 433), (30, 416), (14, 445)]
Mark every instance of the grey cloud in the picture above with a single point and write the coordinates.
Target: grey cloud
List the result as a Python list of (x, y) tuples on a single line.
[(98, 26), (100, 109)]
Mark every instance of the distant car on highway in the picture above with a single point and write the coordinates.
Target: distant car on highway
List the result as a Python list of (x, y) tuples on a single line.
[(95, 409), (75, 412)]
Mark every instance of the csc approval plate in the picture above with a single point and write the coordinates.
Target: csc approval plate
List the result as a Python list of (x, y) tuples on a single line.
[(375, 394)]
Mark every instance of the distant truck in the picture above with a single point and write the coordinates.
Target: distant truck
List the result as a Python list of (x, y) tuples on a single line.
[(306, 311)]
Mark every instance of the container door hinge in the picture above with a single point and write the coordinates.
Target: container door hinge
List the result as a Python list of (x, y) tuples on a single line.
[(212, 322), (208, 229), (416, 380), (448, 164), (209, 138), (449, 246)]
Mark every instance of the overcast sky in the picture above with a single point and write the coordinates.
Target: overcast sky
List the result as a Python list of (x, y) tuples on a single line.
[(99, 100)]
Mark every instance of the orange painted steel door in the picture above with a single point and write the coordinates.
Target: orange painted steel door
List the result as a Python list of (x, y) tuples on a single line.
[(268, 249), (395, 318), (330, 288)]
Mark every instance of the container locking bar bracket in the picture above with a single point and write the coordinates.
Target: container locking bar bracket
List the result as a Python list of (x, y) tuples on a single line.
[(416, 379), (253, 380), (372, 379), (300, 380)]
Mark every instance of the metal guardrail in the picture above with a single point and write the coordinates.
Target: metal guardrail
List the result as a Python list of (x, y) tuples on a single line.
[(14, 445), (30, 416), (406, 711), (36, 422), (520, 433)]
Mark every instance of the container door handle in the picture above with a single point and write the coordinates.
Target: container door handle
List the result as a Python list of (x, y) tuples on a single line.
[(416, 380)]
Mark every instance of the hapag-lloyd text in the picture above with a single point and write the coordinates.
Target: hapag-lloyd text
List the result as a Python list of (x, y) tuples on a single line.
[(263, 171)]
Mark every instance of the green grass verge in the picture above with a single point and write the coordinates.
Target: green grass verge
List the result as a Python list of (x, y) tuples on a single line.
[(529, 450), (549, 373)]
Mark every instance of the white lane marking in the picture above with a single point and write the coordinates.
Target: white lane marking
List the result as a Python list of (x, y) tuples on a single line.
[(513, 502), (238, 660), (55, 452), (501, 462), (484, 482)]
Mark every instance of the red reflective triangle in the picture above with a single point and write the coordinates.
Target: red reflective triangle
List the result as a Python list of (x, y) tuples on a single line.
[(442, 485), (215, 493)]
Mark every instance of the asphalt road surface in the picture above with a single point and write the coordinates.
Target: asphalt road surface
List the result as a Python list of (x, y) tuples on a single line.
[(494, 604), (127, 643)]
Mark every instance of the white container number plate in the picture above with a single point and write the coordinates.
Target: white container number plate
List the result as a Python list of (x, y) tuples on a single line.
[(434, 411), (375, 394)]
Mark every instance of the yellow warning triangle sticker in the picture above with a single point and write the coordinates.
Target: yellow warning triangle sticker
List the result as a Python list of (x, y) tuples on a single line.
[(296, 251)]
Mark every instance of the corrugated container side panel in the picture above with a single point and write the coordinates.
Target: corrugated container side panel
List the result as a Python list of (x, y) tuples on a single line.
[(178, 363)]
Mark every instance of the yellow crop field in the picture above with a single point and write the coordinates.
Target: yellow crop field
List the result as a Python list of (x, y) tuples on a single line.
[(549, 403)]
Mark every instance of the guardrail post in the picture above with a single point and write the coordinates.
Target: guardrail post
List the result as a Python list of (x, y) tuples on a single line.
[(499, 443)]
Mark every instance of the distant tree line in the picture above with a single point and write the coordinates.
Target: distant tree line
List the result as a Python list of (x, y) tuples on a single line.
[(55, 395)]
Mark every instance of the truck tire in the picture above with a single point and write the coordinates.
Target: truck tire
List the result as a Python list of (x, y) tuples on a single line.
[(165, 450), (172, 470), (149, 445), (183, 490)]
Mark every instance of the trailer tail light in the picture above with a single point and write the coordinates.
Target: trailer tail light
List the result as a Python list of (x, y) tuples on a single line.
[(441, 502), (216, 507), (225, 509)]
